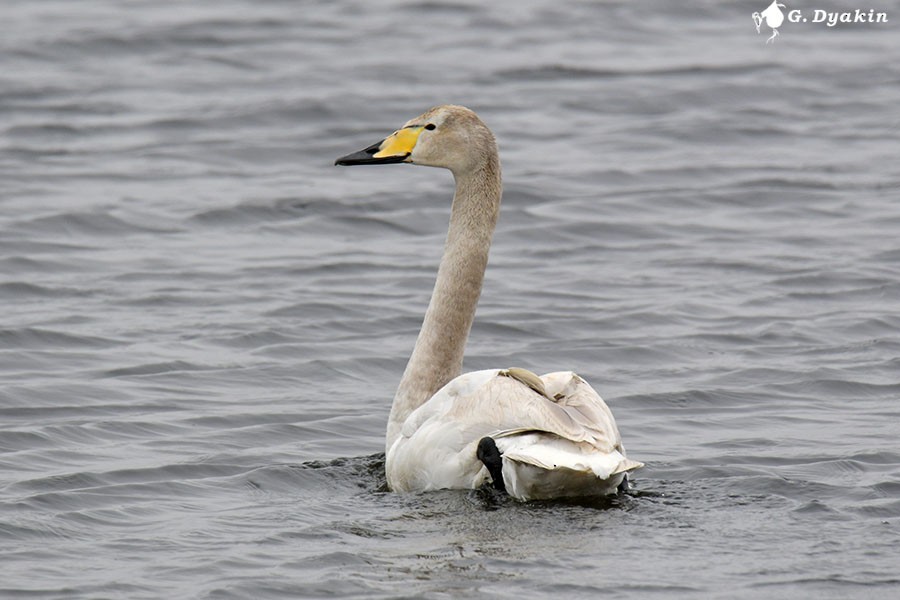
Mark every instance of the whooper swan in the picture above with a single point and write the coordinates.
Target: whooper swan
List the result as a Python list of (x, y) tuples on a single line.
[(533, 437)]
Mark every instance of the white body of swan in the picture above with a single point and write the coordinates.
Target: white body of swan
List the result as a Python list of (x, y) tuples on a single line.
[(534, 437)]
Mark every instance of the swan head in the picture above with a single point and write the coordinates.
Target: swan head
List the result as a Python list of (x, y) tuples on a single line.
[(449, 136)]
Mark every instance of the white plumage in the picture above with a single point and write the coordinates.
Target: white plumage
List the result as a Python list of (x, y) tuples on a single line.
[(555, 435), (562, 443)]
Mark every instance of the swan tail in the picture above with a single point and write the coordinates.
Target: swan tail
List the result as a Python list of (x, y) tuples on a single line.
[(626, 465), (539, 465)]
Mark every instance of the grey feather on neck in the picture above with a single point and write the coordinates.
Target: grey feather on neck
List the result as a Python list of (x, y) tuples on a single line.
[(438, 354)]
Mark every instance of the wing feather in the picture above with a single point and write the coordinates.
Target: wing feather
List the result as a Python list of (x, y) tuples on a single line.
[(554, 420), (507, 405)]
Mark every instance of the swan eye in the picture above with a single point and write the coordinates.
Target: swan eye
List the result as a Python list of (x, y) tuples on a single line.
[(430, 127)]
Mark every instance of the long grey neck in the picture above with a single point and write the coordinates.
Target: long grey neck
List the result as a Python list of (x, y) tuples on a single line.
[(438, 354)]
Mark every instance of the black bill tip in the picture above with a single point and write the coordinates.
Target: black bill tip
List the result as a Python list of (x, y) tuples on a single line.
[(367, 157)]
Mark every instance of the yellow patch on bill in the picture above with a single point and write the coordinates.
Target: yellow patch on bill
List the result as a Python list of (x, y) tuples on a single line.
[(399, 143)]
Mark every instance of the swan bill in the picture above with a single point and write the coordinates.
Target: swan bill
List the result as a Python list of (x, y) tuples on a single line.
[(395, 148)]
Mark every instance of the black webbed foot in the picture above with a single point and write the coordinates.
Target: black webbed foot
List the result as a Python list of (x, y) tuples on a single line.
[(489, 454)]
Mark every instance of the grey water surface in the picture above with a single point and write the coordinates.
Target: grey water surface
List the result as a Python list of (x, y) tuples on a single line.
[(202, 321)]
